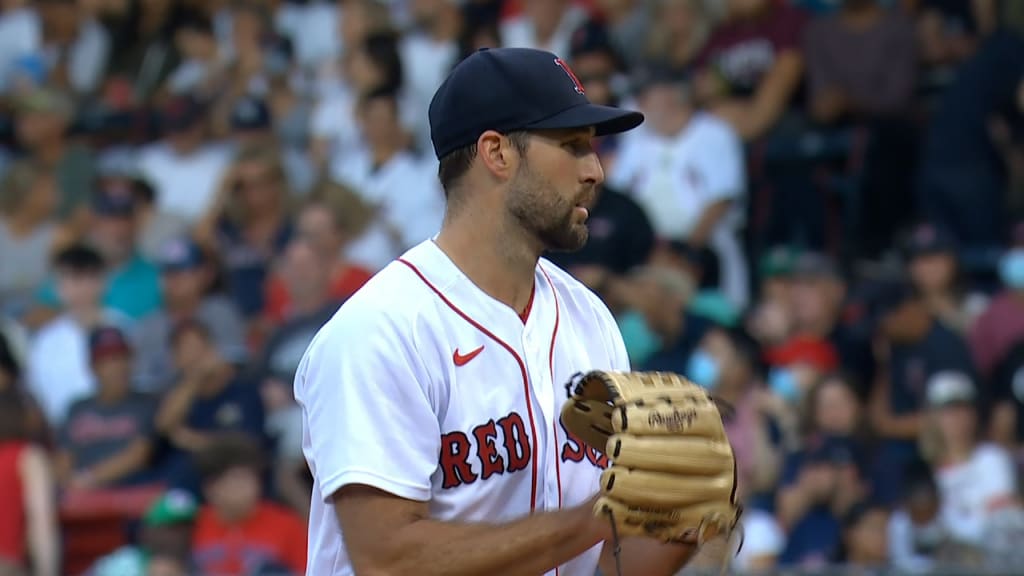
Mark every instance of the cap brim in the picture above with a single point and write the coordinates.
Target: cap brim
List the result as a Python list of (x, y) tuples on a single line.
[(605, 119)]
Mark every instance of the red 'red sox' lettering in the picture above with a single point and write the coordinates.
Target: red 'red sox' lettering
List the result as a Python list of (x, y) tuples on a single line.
[(459, 456), (574, 450)]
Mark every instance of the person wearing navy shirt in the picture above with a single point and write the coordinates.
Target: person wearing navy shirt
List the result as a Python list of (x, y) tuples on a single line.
[(916, 346), (211, 398)]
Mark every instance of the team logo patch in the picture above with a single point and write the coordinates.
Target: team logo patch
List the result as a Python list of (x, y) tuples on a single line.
[(572, 76)]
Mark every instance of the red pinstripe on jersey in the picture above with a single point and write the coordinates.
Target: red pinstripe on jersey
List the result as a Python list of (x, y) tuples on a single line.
[(522, 368)]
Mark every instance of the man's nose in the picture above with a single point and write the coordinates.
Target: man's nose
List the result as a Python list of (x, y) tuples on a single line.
[(592, 171)]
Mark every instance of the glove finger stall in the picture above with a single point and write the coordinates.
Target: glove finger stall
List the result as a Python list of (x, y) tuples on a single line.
[(648, 489), (671, 454)]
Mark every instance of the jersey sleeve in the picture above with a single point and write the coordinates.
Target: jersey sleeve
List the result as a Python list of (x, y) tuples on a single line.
[(366, 407)]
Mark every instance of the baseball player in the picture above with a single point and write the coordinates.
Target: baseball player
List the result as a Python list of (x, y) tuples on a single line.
[(431, 399)]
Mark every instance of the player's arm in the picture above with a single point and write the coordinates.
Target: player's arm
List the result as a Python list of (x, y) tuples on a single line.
[(645, 557), (385, 534)]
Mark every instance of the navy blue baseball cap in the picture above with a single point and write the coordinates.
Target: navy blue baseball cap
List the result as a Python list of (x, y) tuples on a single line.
[(511, 89), (180, 254)]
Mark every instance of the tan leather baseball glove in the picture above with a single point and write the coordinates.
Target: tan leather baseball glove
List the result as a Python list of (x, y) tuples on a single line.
[(673, 473)]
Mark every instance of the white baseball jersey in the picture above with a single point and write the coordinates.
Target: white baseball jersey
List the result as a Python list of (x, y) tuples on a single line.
[(424, 386)]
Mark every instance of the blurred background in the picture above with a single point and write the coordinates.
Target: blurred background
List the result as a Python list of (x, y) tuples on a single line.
[(821, 221)]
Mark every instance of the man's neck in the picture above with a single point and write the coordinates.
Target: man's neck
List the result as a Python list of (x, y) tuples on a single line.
[(86, 317), (108, 397), (501, 263)]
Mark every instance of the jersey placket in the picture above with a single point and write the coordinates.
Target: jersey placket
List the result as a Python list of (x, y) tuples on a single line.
[(536, 346)]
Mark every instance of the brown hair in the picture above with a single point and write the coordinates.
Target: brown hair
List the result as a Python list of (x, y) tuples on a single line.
[(351, 214), (14, 422), (228, 451), (270, 156), (455, 164)]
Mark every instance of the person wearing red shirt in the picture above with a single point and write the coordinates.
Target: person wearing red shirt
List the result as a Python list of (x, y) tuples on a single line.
[(238, 532)]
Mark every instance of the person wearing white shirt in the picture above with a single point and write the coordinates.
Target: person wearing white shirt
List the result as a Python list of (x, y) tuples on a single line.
[(58, 364), (185, 168), (21, 34), (686, 169), (976, 480), (409, 200)]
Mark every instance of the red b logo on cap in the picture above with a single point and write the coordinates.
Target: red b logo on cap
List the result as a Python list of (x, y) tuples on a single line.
[(568, 72)]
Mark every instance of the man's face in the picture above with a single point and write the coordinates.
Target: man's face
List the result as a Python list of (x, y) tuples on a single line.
[(379, 121), (79, 289), (316, 226), (234, 493), (424, 12), (814, 300), (114, 236), (113, 372), (182, 285), (557, 176), (662, 104), (304, 270)]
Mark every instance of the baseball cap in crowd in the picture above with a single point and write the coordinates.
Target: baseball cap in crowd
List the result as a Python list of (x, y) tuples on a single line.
[(949, 387), (180, 254), (250, 113), (777, 262), (112, 204), (172, 507), (510, 89), (107, 341), (592, 38), (44, 101), (182, 112), (815, 266), (927, 239)]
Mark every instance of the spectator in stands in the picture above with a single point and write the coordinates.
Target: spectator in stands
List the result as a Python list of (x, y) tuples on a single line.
[(679, 31), (185, 166), (249, 223), (961, 182), (976, 479), (107, 439), (42, 120), (75, 48), (1001, 325), (332, 220), (860, 62), (308, 277), (133, 283), (543, 24), (334, 126), (1005, 404), (818, 293), (770, 319), (686, 170), (403, 189), (728, 363), (915, 529), (912, 347), (752, 65), (934, 266), (628, 23), (826, 478), (948, 33), (252, 122), (210, 398), (239, 532), (153, 226), (12, 369), (58, 364), (659, 331), (21, 25), (164, 544), (194, 39), (29, 535), (28, 234), (186, 277)]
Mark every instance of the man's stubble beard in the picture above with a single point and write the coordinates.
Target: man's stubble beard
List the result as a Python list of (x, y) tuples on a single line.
[(539, 210)]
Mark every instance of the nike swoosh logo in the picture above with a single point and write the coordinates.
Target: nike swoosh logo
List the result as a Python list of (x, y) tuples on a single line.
[(463, 359)]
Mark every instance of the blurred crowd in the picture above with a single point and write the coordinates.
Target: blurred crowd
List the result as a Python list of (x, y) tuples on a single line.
[(821, 221)]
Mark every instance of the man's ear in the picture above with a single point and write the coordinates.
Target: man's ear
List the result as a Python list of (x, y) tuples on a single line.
[(497, 154)]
